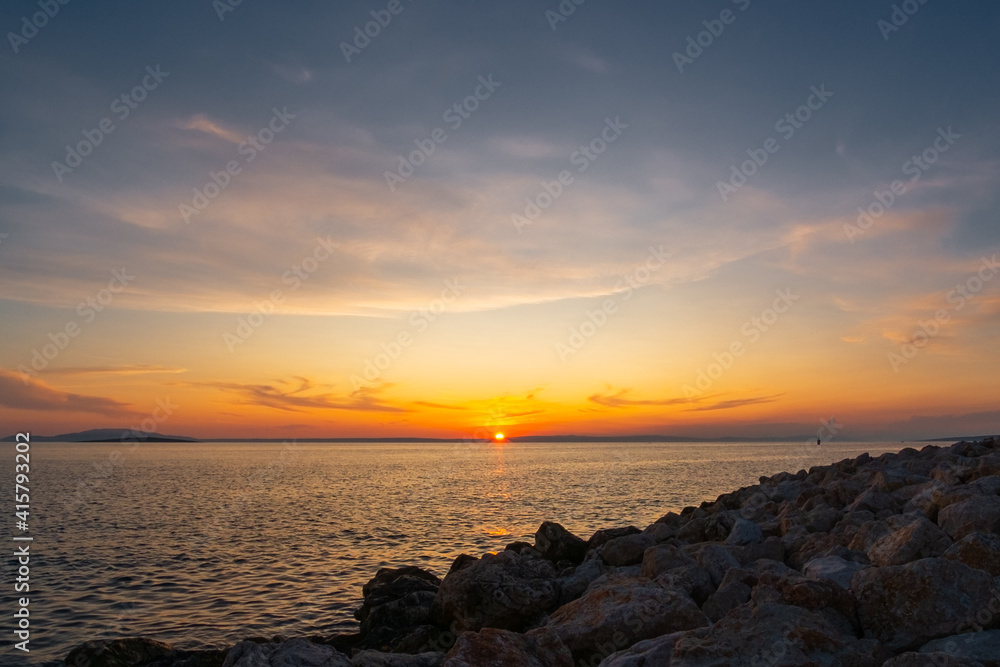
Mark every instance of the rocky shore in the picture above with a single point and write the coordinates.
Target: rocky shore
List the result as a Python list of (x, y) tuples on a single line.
[(891, 561)]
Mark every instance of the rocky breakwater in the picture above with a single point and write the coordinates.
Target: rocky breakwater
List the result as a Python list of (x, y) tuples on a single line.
[(891, 561)]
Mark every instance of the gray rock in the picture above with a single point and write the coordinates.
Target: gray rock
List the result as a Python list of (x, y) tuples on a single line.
[(626, 550), (978, 550), (557, 544), (981, 513), (371, 658), (664, 558), (834, 568), (292, 653), (920, 539), (984, 646), (491, 647), (744, 532), (647, 653)]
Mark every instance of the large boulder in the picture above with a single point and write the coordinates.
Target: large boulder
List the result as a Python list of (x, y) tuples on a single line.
[(396, 602), (744, 532), (617, 612), (664, 558), (558, 544), (647, 653), (627, 549), (905, 606), (369, 658), (978, 550), (504, 590), (491, 647), (920, 539), (983, 646), (292, 653), (834, 568), (773, 634), (981, 513)]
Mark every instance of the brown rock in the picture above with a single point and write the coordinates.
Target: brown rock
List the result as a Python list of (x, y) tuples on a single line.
[(663, 558), (556, 543), (626, 550), (905, 606), (981, 514), (920, 539), (978, 550), (492, 647)]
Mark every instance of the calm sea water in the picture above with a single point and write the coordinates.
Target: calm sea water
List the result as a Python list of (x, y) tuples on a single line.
[(201, 545)]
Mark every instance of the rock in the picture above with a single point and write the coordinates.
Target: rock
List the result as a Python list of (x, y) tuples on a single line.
[(983, 646), (647, 653), (626, 550), (905, 606), (874, 501), (771, 549), (518, 547), (724, 600), (920, 539), (913, 659), (573, 585), (691, 580), (978, 550), (661, 532), (773, 634), (292, 653), (981, 514), (744, 532), (396, 601), (663, 558), (503, 590), (491, 647), (716, 559), (868, 534), (140, 652), (378, 659), (615, 614), (607, 534), (834, 568), (556, 543)]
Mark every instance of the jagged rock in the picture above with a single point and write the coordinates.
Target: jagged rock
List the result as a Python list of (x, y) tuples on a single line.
[(920, 539), (647, 653), (292, 653), (615, 614), (663, 558), (978, 550), (773, 634), (607, 534), (491, 647), (744, 532), (557, 544), (874, 501), (716, 559), (626, 550), (976, 514), (905, 606), (371, 658), (834, 568), (692, 580), (396, 601), (140, 652), (503, 590), (914, 659), (724, 600), (982, 646), (573, 585)]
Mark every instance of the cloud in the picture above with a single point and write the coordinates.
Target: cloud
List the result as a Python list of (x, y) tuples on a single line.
[(736, 403), (203, 123), (438, 406), (133, 369), (36, 395), (619, 400), (295, 397)]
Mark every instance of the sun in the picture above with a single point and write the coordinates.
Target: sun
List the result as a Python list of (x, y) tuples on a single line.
[(498, 437)]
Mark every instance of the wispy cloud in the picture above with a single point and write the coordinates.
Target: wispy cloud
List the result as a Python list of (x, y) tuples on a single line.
[(36, 395), (736, 403), (619, 400), (203, 123), (297, 396), (134, 369)]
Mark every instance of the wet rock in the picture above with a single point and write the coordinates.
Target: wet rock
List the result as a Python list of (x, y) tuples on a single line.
[(557, 544), (503, 590), (294, 652), (905, 606), (978, 550), (613, 615), (919, 539), (981, 514), (491, 647)]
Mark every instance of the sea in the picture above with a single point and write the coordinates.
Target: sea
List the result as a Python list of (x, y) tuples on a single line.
[(205, 544)]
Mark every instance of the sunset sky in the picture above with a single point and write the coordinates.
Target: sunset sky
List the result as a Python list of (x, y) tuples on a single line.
[(494, 215)]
